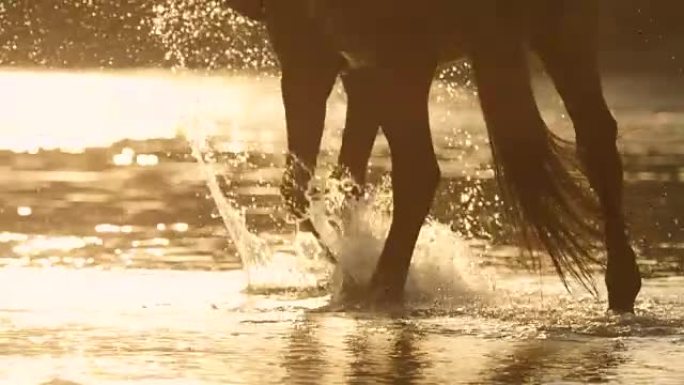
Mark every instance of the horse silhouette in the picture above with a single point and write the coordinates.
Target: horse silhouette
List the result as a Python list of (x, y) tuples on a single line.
[(390, 51)]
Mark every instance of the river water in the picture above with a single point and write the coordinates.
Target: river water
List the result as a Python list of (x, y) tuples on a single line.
[(119, 265)]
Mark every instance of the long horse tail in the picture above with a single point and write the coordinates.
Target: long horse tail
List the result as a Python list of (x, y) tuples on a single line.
[(537, 172)]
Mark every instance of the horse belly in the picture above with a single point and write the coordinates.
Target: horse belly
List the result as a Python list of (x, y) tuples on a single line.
[(451, 46), (372, 33)]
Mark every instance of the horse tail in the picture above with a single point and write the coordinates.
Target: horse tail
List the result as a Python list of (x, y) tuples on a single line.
[(536, 171)]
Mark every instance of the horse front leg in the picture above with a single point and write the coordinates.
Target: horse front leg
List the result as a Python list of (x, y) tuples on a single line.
[(571, 62), (305, 94), (415, 171), (309, 66)]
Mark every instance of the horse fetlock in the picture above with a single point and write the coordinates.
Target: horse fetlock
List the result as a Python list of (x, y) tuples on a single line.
[(390, 276), (343, 180), (342, 193), (296, 203), (294, 187)]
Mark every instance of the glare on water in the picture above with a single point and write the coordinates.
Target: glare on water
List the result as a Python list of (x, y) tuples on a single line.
[(143, 240), (118, 264), (71, 111)]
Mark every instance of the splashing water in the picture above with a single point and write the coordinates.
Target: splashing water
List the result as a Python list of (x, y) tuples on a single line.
[(443, 264), (186, 29), (87, 320), (252, 250), (444, 270), (190, 30), (448, 279), (299, 268)]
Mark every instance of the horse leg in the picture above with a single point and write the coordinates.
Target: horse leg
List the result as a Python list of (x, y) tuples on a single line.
[(305, 94), (415, 171), (309, 68), (362, 123), (571, 62)]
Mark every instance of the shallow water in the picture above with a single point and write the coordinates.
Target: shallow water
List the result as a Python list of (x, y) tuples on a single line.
[(117, 268), (157, 326)]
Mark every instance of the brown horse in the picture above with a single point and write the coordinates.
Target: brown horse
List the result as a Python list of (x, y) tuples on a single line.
[(394, 48)]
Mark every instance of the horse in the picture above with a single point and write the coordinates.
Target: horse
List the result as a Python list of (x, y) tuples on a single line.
[(392, 50)]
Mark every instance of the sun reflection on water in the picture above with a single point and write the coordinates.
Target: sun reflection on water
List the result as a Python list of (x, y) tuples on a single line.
[(146, 287), (42, 243), (71, 111)]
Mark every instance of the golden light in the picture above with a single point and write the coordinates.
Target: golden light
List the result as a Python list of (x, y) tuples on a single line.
[(125, 158), (113, 229), (24, 211), (146, 160), (107, 228), (236, 147), (180, 227), (78, 110), (42, 243), (151, 242)]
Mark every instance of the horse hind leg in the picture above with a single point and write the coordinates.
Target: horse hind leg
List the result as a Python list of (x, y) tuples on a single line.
[(574, 71), (362, 123)]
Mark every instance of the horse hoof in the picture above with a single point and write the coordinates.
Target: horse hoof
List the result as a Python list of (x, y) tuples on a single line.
[(620, 310), (622, 293), (621, 317), (386, 295), (623, 282), (354, 296)]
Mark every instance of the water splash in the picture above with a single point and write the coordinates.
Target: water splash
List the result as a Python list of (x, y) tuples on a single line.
[(448, 278), (444, 270), (210, 35), (443, 262), (191, 31), (267, 269), (252, 249)]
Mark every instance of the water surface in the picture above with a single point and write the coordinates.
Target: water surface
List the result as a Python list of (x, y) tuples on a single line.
[(116, 266)]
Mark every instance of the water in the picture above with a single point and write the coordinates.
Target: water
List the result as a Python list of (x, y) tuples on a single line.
[(117, 267)]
